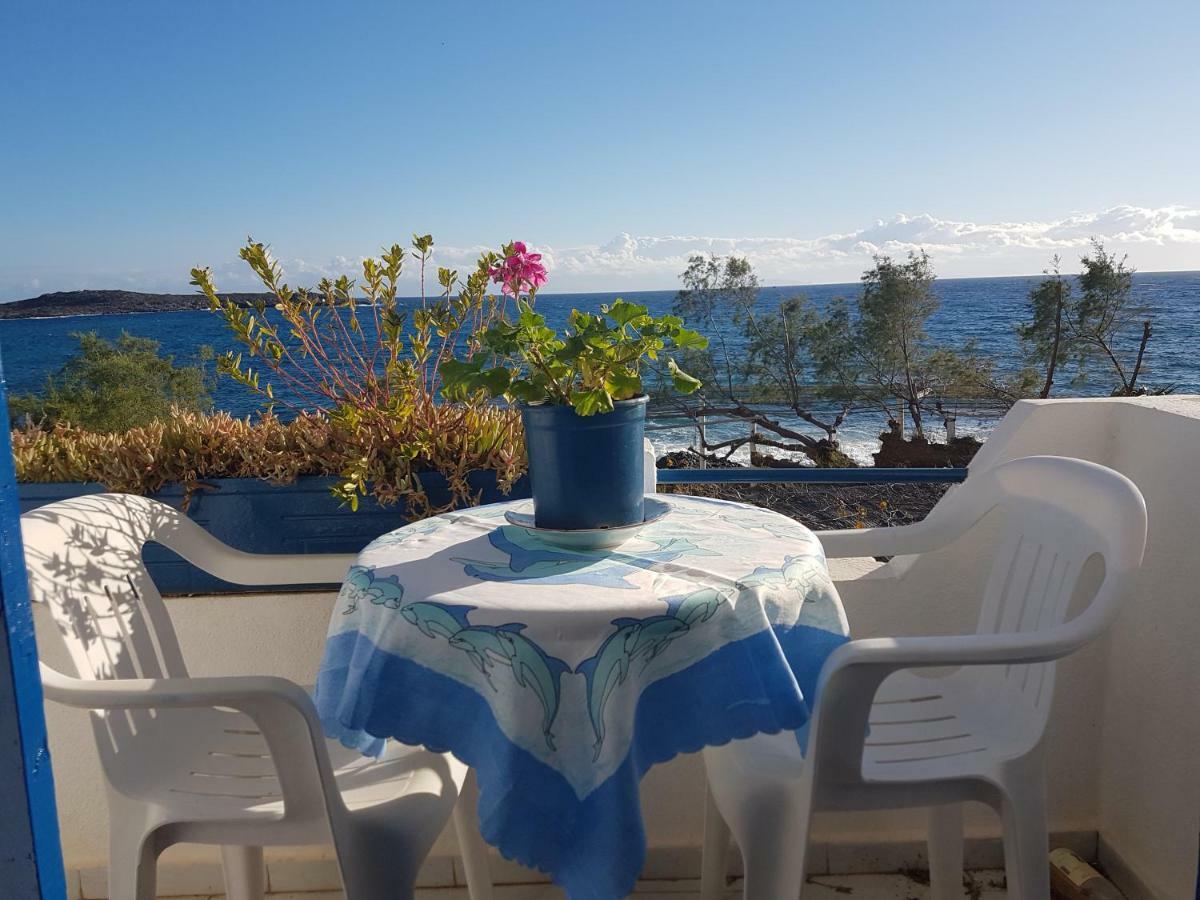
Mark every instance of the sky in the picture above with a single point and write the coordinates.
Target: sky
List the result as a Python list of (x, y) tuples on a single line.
[(140, 139)]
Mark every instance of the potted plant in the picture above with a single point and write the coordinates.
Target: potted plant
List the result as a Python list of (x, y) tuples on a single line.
[(581, 395)]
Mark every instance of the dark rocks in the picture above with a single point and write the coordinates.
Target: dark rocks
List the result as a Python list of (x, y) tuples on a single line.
[(896, 452), (819, 506), (88, 303)]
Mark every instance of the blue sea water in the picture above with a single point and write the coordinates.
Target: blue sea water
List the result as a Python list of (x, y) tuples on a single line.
[(985, 309)]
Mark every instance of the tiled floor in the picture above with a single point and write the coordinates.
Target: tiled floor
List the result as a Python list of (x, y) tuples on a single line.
[(983, 885)]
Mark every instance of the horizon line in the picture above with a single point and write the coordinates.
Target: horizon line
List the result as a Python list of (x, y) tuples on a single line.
[(630, 291)]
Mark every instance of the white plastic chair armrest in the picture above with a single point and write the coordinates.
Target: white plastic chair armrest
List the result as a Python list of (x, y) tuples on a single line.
[(281, 709), (892, 654), (233, 691), (853, 673), (144, 520), (900, 540), (239, 567)]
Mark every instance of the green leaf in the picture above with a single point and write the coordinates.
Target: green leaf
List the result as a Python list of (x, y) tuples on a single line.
[(588, 403), (623, 312), (526, 391), (684, 383), (686, 339), (495, 381), (455, 370), (623, 384), (460, 379)]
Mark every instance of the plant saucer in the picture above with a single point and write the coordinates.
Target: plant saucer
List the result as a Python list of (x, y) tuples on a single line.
[(586, 538)]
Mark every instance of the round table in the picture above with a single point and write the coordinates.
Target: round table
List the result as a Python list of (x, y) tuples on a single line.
[(561, 676)]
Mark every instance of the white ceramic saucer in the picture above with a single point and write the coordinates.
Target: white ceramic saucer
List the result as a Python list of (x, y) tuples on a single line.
[(586, 538)]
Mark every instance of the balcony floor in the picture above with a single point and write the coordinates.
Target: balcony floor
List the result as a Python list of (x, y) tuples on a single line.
[(980, 885)]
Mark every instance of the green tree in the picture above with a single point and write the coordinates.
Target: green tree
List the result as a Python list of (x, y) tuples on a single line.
[(111, 387), (771, 365), (897, 300), (717, 290), (1105, 315), (883, 356), (1047, 336), (1101, 325)]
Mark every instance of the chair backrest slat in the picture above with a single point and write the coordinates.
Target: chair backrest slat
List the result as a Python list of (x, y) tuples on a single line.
[(1057, 514), (84, 557), (1071, 534)]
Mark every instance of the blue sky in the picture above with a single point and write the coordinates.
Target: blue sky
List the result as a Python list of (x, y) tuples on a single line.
[(142, 138)]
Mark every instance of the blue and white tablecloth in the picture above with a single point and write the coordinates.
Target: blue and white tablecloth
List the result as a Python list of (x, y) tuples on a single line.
[(561, 676)]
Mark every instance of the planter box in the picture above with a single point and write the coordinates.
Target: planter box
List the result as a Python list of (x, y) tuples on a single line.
[(259, 517)]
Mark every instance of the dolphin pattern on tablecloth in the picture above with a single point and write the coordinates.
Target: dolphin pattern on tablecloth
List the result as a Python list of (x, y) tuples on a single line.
[(532, 667), (487, 646), (796, 572), (643, 639), (532, 559), (698, 606), (386, 591), (434, 620), (775, 526)]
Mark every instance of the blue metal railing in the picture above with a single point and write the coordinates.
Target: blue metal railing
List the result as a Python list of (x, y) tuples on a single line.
[(811, 475)]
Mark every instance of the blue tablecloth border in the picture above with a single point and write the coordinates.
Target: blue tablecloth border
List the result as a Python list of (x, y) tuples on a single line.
[(725, 695)]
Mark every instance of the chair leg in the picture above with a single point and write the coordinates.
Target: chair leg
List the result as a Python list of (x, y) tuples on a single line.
[(245, 876), (768, 817), (132, 864), (714, 860), (946, 852), (377, 867), (1026, 838), (471, 845)]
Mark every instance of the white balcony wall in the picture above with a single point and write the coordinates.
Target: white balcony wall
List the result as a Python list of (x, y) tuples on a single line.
[(1123, 739)]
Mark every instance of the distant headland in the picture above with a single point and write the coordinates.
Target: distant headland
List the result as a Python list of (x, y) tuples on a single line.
[(90, 303)]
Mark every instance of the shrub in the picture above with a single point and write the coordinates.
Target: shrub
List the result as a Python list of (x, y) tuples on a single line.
[(348, 349), (109, 387), (187, 448)]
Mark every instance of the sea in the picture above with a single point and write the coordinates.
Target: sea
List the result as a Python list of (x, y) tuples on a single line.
[(987, 310)]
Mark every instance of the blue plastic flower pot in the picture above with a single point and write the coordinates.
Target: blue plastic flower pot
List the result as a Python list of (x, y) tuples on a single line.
[(586, 471)]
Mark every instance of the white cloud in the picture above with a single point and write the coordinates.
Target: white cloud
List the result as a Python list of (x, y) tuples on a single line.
[(1168, 237), (1156, 238)]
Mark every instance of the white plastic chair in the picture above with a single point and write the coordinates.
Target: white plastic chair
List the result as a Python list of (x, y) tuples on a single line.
[(884, 737), (240, 762)]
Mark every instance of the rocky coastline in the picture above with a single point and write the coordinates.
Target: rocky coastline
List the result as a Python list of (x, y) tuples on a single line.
[(92, 303)]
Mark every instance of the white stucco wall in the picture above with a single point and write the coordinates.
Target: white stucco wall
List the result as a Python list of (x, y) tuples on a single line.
[(1126, 724), (1147, 766)]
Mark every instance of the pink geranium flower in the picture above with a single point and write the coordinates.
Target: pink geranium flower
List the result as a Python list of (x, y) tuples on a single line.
[(521, 272)]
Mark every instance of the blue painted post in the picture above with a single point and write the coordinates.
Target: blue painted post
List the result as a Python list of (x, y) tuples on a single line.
[(30, 856)]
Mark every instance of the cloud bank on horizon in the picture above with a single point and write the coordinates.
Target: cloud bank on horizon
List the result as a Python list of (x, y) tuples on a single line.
[(1168, 235), (1155, 238)]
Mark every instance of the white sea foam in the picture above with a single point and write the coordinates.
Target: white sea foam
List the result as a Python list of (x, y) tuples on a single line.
[(859, 440)]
